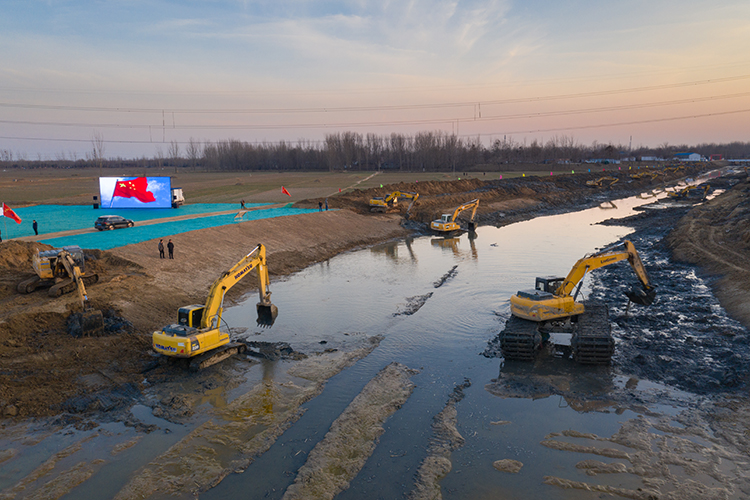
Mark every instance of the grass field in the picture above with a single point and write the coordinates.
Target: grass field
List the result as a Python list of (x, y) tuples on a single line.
[(19, 187)]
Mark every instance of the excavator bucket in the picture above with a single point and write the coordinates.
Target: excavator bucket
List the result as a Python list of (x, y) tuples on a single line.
[(641, 295), (267, 314), (87, 323)]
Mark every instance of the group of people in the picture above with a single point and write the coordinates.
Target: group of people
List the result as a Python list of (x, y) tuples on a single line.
[(170, 248)]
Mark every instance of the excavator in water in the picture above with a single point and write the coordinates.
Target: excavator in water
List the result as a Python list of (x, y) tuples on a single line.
[(549, 313), (63, 270), (197, 335), (389, 203), (447, 222)]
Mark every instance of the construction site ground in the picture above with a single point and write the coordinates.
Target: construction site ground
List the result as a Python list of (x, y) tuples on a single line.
[(42, 367)]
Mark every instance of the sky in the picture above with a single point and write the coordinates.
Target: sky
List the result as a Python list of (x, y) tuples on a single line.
[(146, 77)]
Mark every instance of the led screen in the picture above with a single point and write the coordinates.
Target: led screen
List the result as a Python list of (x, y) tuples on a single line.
[(135, 192)]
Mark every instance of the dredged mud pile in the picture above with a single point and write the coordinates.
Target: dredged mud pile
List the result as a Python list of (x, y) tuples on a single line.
[(685, 338)]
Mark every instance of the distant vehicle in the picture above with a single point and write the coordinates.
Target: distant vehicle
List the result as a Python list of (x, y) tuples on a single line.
[(112, 222), (177, 197)]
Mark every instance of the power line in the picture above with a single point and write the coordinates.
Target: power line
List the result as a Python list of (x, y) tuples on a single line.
[(490, 134), (54, 107), (479, 118)]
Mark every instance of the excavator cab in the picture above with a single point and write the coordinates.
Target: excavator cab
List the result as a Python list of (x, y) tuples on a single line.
[(549, 284)]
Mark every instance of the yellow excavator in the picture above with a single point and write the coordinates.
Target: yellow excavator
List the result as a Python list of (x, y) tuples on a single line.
[(687, 191), (54, 270), (447, 222), (603, 181), (63, 270), (197, 336), (550, 313), (390, 203), (652, 175)]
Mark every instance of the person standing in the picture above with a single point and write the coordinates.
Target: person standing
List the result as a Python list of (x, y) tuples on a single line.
[(36, 227), (326, 204), (170, 247), (161, 249), (320, 206)]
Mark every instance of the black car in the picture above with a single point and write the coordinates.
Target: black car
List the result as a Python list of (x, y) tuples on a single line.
[(112, 222)]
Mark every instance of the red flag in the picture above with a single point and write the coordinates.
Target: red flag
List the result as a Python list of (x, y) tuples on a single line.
[(136, 188), (283, 190), (7, 212)]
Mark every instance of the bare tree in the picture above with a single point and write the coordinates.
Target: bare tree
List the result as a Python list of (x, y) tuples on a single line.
[(174, 153), (193, 152), (97, 150)]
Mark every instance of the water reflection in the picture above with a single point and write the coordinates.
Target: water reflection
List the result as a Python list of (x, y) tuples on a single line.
[(454, 244), (583, 388)]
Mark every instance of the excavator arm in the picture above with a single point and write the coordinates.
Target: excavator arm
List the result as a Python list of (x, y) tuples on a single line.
[(606, 257), (473, 204), (215, 301), (66, 260)]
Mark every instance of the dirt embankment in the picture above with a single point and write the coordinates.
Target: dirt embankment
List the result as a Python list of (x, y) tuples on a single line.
[(716, 237), (508, 200)]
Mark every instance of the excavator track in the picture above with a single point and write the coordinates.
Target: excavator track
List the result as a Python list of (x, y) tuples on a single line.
[(592, 342), (217, 355), (520, 340), (29, 285), (69, 285)]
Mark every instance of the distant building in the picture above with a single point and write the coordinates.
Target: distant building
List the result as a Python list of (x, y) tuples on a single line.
[(688, 157), (652, 158)]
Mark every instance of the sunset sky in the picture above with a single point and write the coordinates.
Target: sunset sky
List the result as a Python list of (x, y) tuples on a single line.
[(140, 74)]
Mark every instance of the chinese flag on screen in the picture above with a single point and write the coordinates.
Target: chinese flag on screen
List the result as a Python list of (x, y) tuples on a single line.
[(134, 188), (7, 212), (283, 190)]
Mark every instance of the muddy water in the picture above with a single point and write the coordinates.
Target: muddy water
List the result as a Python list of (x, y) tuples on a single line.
[(437, 303)]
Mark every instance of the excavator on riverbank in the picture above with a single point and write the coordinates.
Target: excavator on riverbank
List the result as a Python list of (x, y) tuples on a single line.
[(606, 181), (447, 223), (390, 203), (197, 335), (549, 313), (63, 270)]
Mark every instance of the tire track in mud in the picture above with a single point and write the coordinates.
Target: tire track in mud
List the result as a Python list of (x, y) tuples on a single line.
[(341, 454)]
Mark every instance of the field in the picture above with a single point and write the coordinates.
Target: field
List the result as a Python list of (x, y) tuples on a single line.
[(78, 186)]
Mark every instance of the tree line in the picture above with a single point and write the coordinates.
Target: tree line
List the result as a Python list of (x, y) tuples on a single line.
[(424, 151)]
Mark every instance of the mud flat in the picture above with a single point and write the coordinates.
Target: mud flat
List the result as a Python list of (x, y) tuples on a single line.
[(445, 440), (241, 431), (339, 457)]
